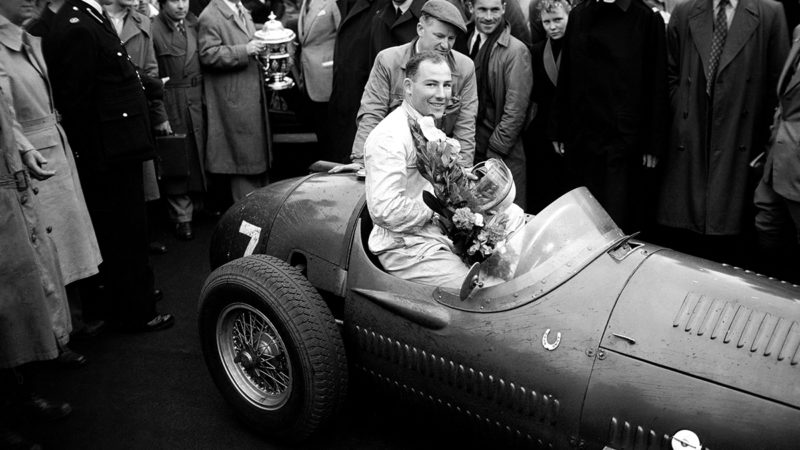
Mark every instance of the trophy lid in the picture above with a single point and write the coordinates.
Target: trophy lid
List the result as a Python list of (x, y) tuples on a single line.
[(273, 32)]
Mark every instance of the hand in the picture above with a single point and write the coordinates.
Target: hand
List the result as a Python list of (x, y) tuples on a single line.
[(352, 167), (164, 80), (558, 147), (649, 161), (35, 163), (163, 129), (255, 47)]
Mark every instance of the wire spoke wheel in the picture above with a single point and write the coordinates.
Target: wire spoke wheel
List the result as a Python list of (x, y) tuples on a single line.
[(254, 356)]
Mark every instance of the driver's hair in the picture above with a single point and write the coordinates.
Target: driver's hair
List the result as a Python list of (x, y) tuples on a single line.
[(412, 66)]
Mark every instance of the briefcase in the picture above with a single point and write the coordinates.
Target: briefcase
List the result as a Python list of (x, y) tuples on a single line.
[(173, 157)]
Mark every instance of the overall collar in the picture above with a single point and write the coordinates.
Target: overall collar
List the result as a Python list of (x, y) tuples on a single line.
[(10, 34)]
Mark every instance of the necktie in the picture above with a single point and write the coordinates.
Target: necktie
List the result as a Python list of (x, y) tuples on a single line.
[(397, 14), (717, 44), (475, 47), (242, 20), (182, 28)]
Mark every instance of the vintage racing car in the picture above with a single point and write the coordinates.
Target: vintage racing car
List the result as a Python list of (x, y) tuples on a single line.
[(598, 340)]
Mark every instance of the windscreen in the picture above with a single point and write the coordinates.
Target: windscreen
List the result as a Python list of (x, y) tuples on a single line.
[(562, 237)]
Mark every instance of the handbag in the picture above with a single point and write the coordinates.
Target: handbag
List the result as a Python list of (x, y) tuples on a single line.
[(173, 157)]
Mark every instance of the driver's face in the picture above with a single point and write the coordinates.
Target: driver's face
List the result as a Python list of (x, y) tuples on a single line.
[(429, 91)]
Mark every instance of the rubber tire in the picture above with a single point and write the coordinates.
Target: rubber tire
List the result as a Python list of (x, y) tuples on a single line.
[(308, 330)]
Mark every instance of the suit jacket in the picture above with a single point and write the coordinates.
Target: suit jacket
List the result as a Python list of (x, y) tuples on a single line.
[(317, 26), (706, 188), (238, 126), (96, 89), (387, 32), (782, 168)]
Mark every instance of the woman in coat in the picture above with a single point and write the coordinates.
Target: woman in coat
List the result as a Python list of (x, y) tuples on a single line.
[(26, 87), (238, 142)]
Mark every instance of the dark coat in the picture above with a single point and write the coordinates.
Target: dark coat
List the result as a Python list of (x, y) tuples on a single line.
[(238, 126), (782, 169), (178, 58), (385, 32), (351, 67), (98, 93), (612, 82), (705, 187), (41, 25)]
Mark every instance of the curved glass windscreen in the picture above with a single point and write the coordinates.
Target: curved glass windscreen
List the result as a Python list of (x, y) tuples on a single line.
[(563, 237)]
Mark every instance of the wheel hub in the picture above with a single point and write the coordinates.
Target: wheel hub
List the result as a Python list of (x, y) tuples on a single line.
[(245, 359)]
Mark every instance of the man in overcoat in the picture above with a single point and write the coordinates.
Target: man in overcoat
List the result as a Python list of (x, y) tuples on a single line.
[(504, 78), (722, 82), (238, 143), (611, 102), (777, 197), (105, 114), (351, 66), (175, 42)]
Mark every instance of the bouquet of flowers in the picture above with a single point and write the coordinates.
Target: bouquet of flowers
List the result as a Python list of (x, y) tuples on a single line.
[(454, 198)]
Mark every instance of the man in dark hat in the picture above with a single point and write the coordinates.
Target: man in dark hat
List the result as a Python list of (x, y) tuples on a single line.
[(437, 30)]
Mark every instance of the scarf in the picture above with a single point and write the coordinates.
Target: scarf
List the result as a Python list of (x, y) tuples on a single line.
[(482, 68)]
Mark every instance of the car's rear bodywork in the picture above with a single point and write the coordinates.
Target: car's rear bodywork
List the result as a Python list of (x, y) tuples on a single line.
[(622, 346)]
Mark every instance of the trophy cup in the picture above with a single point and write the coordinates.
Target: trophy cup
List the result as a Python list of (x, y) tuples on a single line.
[(274, 59)]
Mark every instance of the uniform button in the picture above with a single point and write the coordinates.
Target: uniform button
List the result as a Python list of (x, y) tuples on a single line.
[(124, 114), (33, 237), (49, 229), (35, 190), (119, 53), (23, 199)]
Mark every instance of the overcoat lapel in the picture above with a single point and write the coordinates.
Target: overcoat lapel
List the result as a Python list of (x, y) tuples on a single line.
[(129, 29), (701, 23), (228, 14), (551, 65), (304, 25), (745, 22), (191, 41)]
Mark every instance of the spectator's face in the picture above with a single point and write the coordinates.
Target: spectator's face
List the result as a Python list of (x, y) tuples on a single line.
[(430, 90), (126, 3), (435, 35), (17, 11), (555, 23), (175, 9), (488, 15)]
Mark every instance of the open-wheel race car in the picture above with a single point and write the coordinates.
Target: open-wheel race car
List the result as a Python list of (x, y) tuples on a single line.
[(597, 340)]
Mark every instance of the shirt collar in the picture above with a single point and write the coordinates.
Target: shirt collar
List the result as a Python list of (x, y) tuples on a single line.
[(234, 6), (94, 5), (622, 4), (403, 6), (412, 113), (732, 2)]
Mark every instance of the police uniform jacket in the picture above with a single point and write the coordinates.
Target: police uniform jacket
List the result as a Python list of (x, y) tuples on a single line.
[(97, 89)]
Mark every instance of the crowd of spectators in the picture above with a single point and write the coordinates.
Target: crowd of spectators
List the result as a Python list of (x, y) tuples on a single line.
[(679, 116)]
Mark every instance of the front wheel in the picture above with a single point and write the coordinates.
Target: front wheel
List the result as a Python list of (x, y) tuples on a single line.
[(272, 346)]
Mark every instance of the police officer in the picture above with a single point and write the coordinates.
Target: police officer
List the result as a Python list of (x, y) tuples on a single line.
[(102, 100)]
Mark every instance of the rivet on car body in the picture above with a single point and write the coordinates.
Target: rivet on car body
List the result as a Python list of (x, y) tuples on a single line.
[(589, 352), (601, 354)]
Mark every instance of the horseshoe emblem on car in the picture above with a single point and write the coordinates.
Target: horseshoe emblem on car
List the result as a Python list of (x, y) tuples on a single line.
[(546, 344)]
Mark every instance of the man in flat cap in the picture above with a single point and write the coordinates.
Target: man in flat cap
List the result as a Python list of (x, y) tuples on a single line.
[(439, 24)]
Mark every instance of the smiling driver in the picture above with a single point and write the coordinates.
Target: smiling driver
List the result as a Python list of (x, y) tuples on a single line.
[(405, 240)]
